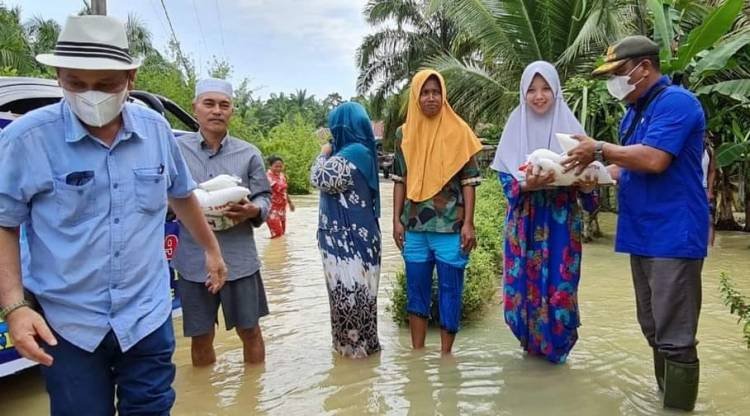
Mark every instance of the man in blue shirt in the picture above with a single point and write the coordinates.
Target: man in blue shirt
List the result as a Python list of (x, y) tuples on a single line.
[(663, 209), (89, 178)]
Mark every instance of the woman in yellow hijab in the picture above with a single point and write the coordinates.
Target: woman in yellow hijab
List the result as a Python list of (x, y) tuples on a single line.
[(435, 174)]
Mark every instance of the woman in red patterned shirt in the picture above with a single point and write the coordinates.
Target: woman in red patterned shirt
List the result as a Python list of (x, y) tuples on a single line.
[(279, 197)]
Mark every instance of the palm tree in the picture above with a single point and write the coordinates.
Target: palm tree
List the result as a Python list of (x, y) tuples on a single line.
[(301, 100), (139, 37), (15, 53), (409, 33), (42, 34), (513, 33)]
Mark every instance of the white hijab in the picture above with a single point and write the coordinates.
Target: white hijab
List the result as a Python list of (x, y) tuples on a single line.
[(527, 131)]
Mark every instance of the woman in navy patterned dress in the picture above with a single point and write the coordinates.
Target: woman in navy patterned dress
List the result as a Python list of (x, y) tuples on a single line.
[(346, 173)]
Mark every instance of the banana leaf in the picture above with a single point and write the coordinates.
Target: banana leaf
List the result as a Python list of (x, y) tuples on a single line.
[(716, 25), (731, 153), (718, 57), (738, 89)]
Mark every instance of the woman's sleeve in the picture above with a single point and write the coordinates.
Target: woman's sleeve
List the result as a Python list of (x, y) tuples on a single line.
[(331, 175), (511, 188), (470, 174), (399, 163)]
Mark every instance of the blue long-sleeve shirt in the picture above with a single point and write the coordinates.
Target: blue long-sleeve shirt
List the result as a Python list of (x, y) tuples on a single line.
[(94, 219)]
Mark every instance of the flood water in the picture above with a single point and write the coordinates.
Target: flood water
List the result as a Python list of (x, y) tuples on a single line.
[(609, 371)]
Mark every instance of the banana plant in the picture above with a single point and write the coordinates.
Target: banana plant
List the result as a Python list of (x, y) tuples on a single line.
[(711, 60), (707, 50), (736, 154), (735, 151)]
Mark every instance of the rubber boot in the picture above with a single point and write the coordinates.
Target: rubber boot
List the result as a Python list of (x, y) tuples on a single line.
[(659, 368), (681, 384)]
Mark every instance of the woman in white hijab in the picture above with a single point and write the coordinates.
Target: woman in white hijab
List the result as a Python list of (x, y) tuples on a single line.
[(544, 224)]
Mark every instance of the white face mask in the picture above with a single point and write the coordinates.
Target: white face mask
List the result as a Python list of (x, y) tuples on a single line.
[(96, 108), (619, 86)]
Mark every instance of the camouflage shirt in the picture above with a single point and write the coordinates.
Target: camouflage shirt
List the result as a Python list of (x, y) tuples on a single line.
[(444, 212)]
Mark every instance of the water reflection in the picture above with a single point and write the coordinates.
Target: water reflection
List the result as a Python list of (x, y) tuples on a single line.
[(609, 372), (350, 387), (416, 389)]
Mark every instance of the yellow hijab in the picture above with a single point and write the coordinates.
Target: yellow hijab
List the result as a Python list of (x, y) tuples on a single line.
[(435, 148)]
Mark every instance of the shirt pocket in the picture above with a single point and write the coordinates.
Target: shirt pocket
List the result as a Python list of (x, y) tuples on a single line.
[(75, 203), (150, 189)]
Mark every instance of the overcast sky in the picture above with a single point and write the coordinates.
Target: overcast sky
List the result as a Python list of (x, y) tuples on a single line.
[(281, 45)]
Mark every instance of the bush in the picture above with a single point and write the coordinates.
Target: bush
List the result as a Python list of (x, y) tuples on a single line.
[(296, 143), (489, 217), (489, 132), (485, 266), (738, 304)]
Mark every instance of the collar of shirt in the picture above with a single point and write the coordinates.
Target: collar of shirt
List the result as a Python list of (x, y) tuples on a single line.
[(205, 146), (664, 80), (75, 130)]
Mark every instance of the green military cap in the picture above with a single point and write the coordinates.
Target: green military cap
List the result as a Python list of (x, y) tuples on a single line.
[(627, 48)]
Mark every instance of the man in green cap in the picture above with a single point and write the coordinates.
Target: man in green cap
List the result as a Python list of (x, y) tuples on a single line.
[(663, 218)]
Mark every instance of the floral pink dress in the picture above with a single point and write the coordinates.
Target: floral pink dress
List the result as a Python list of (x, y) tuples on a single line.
[(543, 266), (276, 220)]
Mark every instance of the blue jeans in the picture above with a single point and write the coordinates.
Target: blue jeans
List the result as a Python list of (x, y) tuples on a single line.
[(422, 247), (84, 383), (423, 253)]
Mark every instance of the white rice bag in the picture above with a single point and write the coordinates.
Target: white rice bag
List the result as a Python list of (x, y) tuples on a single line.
[(545, 160), (220, 182), (566, 141), (214, 202)]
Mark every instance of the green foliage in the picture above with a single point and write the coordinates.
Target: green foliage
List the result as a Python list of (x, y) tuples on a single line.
[(295, 142), (398, 299), (703, 37), (408, 33), (731, 152), (738, 89), (594, 107), (485, 266), (662, 27), (161, 76), (738, 304), (8, 72), (489, 218), (511, 34), (15, 51), (489, 132), (719, 57), (220, 69), (482, 282)]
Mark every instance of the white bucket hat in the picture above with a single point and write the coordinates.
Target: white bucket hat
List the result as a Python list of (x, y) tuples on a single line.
[(91, 42)]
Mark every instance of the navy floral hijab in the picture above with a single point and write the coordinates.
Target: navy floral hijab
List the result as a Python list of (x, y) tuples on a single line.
[(354, 140)]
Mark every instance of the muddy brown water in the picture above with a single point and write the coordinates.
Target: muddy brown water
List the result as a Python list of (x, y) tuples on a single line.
[(608, 373)]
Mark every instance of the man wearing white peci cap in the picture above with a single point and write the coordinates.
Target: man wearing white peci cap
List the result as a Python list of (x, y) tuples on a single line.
[(208, 153), (90, 178)]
